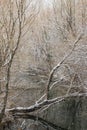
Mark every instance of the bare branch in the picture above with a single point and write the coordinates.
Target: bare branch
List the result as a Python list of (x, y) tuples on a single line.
[(59, 64), (38, 106), (41, 120)]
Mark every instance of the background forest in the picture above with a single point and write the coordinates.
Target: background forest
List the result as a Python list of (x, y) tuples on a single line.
[(43, 64)]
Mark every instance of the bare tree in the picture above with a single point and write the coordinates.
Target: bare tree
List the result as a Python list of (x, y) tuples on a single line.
[(84, 12), (12, 24)]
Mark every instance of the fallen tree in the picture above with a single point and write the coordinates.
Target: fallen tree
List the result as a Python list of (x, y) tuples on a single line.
[(29, 112), (40, 105)]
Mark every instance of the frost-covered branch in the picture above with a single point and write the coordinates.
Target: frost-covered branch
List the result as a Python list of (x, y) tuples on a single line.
[(59, 64), (38, 106)]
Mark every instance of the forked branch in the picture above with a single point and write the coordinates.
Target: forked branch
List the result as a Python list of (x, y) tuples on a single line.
[(59, 64)]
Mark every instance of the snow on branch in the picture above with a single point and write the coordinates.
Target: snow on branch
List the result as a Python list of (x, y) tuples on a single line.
[(38, 106), (59, 64)]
